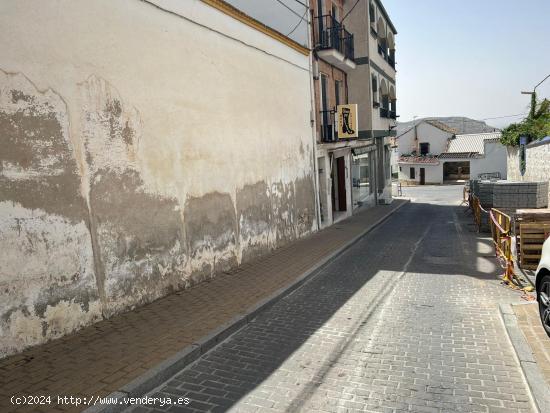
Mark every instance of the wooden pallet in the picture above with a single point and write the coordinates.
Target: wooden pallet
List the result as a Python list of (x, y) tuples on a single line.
[(541, 216), (532, 236)]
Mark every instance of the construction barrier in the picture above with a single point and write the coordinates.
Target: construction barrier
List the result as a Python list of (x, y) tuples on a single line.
[(501, 231), (478, 212)]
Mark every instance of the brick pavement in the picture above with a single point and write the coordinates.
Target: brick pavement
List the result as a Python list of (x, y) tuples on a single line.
[(344, 342), (529, 323), (103, 357)]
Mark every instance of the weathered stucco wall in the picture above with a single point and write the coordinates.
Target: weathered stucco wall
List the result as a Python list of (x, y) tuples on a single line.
[(140, 158), (537, 165)]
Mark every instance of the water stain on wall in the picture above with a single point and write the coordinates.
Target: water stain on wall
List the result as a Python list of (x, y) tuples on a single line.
[(46, 260), (138, 232), (68, 260), (211, 232)]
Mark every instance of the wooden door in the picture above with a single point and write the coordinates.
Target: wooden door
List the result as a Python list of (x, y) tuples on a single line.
[(422, 176), (341, 169)]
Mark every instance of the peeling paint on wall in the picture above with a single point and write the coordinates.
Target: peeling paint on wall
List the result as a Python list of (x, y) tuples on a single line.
[(46, 265), (131, 172), (139, 232)]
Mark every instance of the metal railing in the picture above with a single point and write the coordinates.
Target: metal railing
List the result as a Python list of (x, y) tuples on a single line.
[(392, 114), (391, 61), (501, 231), (382, 50), (330, 34), (384, 112), (347, 40)]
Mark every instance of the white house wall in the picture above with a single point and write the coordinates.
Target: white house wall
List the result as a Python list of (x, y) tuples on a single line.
[(140, 158), (494, 160), (426, 133), (434, 174)]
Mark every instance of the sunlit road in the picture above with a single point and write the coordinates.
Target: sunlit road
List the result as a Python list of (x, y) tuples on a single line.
[(404, 321)]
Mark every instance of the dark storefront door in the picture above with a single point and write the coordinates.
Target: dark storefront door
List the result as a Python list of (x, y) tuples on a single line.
[(422, 176), (341, 168)]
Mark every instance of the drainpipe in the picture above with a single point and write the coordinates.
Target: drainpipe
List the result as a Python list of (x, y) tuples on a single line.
[(316, 185)]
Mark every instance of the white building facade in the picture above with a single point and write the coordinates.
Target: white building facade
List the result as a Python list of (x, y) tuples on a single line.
[(142, 155), (432, 153)]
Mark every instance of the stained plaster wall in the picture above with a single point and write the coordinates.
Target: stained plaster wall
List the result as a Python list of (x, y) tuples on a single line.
[(537, 163), (143, 150)]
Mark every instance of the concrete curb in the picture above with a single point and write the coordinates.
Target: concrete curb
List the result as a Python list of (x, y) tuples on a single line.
[(157, 375), (540, 391)]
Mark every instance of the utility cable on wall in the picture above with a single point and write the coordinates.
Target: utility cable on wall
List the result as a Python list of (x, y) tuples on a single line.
[(350, 10)]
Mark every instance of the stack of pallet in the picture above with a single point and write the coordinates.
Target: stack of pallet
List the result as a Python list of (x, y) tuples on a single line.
[(532, 227)]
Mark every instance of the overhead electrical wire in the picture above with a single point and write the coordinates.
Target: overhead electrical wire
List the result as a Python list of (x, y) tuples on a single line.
[(291, 10), (350, 10), (303, 4), (299, 23), (507, 116)]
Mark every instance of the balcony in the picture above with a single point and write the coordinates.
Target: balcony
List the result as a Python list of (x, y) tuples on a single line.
[(382, 51), (334, 43), (384, 113), (392, 114), (391, 61)]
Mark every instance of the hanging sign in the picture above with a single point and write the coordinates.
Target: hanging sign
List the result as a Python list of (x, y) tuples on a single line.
[(347, 121)]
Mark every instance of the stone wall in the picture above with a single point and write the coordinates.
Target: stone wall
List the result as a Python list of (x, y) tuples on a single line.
[(537, 163), (140, 158)]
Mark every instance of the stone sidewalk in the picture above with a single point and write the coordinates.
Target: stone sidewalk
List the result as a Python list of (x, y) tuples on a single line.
[(102, 358), (530, 325)]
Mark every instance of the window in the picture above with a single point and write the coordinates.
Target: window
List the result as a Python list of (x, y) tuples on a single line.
[(412, 174), (371, 13), (337, 85), (424, 148), (375, 102)]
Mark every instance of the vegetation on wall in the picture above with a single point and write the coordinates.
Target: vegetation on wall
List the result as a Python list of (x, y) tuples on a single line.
[(536, 126)]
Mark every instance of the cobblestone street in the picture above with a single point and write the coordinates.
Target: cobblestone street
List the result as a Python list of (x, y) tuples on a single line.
[(405, 320)]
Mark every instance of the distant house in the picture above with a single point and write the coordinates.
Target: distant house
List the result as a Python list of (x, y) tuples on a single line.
[(417, 150), (471, 155), (431, 152)]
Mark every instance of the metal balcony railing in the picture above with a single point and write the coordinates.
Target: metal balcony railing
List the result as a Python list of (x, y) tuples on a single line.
[(330, 34), (382, 50), (391, 61), (347, 40), (384, 112), (392, 114)]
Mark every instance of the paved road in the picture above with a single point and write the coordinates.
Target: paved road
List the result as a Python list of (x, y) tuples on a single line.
[(404, 321)]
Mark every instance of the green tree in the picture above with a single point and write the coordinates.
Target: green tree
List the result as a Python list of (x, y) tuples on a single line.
[(536, 126)]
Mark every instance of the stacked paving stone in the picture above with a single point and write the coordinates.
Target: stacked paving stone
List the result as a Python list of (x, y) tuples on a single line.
[(485, 193), (512, 195)]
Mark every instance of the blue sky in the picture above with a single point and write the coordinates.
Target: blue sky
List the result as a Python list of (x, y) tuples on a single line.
[(470, 58)]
